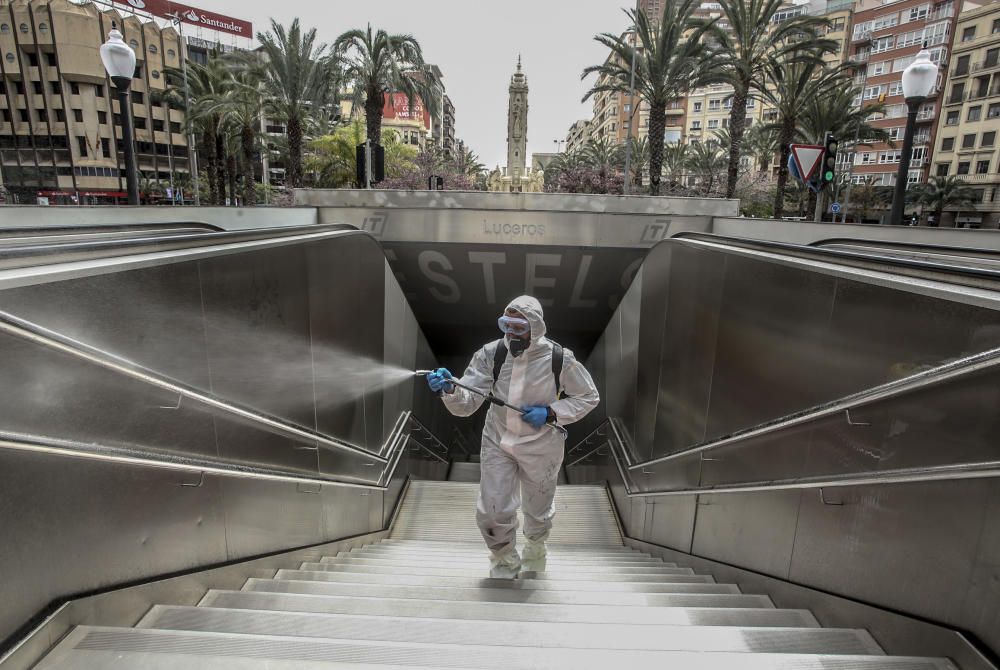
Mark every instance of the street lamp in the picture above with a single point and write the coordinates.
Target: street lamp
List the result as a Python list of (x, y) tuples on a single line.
[(119, 61), (919, 79)]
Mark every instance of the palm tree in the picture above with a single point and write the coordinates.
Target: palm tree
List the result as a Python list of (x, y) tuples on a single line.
[(707, 161), (786, 85), (379, 63), (751, 44), (298, 80), (240, 107), (761, 143), (603, 154), (467, 162), (675, 161), (670, 60), (640, 159), (941, 193)]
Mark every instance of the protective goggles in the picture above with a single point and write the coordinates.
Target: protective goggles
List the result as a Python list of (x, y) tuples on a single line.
[(514, 326)]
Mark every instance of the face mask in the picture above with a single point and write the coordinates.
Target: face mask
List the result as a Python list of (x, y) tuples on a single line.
[(518, 347), (512, 325)]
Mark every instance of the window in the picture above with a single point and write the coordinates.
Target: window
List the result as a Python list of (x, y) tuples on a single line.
[(996, 27), (175, 127), (43, 27), (867, 158), (43, 115), (78, 115), (878, 68), (872, 92), (153, 49), (36, 86), (889, 156), (917, 13), (896, 88), (968, 141), (713, 123), (23, 114), (155, 74), (948, 144), (99, 90), (60, 116), (837, 26), (19, 87), (137, 97), (81, 143), (102, 117), (138, 72), (696, 125), (969, 34), (24, 28), (992, 57), (901, 64), (714, 105), (56, 88), (134, 44), (33, 59), (697, 107), (6, 115), (982, 167), (882, 44), (942, 169), (5, 28), (158, 125), (140, 123), (74, 88), (106, 147), (171, 53), (886, 21), (988, 139), (957, 93), (975, 113), (963, 168), (50, 59), (895, 133), (962, 66)]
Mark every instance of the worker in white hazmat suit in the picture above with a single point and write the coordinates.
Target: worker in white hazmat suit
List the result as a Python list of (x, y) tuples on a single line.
[(521, 453)]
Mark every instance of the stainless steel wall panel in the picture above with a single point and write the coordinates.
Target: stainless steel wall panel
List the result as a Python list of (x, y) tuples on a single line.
[(755, 531), (672, 522), (687, 355), (770, 344), (256, 312), (74, 525), (910, 547)]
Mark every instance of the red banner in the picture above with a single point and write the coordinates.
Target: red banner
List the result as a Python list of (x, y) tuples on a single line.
[(398, 106), (188, 14)]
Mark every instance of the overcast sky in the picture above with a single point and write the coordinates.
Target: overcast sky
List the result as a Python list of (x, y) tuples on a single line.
[(475, 43)]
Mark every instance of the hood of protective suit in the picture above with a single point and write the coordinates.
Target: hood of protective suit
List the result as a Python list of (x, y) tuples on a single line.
[(531, 309)]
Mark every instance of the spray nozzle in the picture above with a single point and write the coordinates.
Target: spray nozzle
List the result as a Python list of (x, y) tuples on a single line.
[(422, 373)]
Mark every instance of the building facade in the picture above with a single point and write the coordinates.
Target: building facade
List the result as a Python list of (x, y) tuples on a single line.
[(517, 128), (886, 39), (577, 135), (60, 133), (966, 143)]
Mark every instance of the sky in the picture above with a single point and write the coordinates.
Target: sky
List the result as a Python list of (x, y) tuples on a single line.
[(476, 44)]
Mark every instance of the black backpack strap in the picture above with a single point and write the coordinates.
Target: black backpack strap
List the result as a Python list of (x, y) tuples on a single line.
[(499, 356), (557, 366)]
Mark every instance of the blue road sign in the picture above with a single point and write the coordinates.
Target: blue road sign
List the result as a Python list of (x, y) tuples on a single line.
[(835, 208)]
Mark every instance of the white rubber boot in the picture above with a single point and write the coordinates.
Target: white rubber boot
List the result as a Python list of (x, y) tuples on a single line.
[(534, 556), (505, 564)]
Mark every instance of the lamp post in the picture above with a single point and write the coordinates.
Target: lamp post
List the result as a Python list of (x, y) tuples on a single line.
[(919, 79), (119, 61)]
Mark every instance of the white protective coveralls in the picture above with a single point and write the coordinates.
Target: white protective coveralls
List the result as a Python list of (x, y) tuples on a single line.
[(520, 464)]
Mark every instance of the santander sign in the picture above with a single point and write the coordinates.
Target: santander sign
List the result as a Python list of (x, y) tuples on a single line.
[(192, 15)]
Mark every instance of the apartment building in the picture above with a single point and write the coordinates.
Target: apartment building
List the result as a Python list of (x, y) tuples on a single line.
[(708, 111), (966, 144), (886, 38), (60, 133), (577, 135)]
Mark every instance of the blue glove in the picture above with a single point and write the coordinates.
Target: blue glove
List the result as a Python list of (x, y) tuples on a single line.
[(536, 415), (438, 381)]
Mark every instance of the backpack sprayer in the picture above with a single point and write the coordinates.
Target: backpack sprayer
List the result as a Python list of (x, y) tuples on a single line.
[(500, 402)]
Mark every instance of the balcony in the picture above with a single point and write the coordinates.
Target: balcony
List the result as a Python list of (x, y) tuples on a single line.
[(988, 64), (980, 178)]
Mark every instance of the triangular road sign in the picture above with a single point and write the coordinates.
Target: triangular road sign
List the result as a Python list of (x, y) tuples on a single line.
[(807, 158)]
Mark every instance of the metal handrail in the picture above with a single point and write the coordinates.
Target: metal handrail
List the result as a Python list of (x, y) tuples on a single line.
[(396, 443), (32, 332), (420, 426), (931, 377)]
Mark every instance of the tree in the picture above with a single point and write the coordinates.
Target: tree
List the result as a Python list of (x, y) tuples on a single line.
[(603, 154), (639, 159), (429, 162), (379, 63), (707, 161), (761, 143), (941, 193), (671, 59), (467, 162), (333, 157), (675, 161), (299, 80), (752, 43), (786, 84)]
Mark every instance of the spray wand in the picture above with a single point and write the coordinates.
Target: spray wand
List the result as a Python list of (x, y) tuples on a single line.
[(500, 402)]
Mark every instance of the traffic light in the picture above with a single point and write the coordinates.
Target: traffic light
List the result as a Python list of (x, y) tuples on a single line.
[(378, 164), (829, 167), (435, 183)]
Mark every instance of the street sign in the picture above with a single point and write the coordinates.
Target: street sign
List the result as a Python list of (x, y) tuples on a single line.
[(835, 208), (807, 158)]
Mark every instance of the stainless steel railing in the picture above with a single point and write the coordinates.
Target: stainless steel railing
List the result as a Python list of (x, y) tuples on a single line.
[(612, 441)]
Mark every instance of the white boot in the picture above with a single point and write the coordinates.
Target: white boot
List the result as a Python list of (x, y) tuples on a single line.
[(505, 564), (534, 556)]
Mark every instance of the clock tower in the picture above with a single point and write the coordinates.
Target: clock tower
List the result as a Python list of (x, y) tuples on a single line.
[(517, 130)]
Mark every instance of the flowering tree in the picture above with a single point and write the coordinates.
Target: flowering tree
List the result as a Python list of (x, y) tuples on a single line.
[(430, 162), (586, 179)]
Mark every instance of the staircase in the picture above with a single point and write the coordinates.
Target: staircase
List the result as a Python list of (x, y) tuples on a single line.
[(420, 599)]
